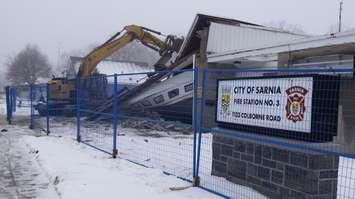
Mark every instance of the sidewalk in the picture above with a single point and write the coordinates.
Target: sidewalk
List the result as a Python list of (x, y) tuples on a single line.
[(20, 174)]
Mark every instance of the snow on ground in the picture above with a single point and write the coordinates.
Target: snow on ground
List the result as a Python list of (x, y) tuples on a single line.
[(20, 175), (22, 108), (75, 163), (173, 153), (71, 170), (166, 151), (81, 172)]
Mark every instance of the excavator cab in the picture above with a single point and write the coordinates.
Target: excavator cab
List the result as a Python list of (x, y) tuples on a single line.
[(62, 89)]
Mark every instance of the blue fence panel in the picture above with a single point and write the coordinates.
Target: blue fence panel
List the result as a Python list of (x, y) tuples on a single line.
[(286, 133), (8, 104), (59, 109), (156, 124), (38, 106), (149, 126), (95, 126), (18, 108)]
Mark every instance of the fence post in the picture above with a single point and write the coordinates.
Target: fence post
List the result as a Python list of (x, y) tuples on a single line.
[(114, 118), (195, 180), (13, 95), (47, 108), (200, 129), (8, 105), (77, 88), (31, 107), (10, 99)]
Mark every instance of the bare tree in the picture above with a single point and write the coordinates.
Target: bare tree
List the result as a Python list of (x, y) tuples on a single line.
[(284, 26), (27, 66)]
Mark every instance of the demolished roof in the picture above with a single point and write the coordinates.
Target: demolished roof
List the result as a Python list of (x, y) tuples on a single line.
[(228, 34), (201, 21)]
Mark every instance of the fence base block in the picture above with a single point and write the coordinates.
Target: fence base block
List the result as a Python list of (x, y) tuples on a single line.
[(78, 138), (275, 171), (114, 153), (196, 181)]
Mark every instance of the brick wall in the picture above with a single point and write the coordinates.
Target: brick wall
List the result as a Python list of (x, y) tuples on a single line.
[(273, 171)]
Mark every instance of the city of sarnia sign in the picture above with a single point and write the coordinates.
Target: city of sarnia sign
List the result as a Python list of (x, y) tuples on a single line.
[(279, 103)]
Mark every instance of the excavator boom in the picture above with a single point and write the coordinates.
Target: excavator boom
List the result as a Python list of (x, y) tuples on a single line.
[(132, 32)]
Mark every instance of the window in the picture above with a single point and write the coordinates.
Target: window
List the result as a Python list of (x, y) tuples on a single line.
[(159, 99), (146, 103), (173, 93), (188, 87), (136, 106)]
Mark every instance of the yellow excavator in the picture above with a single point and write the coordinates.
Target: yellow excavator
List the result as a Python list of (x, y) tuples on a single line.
[(61, 91)]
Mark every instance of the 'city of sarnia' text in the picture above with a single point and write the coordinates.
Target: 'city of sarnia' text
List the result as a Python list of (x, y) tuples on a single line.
[(257, 90)]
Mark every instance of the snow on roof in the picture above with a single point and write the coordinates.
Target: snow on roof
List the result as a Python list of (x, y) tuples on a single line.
[(110, 67), (41, 80)]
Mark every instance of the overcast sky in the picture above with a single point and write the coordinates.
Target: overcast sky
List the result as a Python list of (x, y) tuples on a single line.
[(65, 25)]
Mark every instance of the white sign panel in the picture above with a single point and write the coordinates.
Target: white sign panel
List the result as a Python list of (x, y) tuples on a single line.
[(279, 103)]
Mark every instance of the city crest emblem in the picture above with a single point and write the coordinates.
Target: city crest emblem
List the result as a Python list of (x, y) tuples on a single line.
[(225, 100), (295, 106)]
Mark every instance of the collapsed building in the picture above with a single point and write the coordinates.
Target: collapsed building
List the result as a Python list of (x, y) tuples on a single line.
[(220, 43), (173, 91)]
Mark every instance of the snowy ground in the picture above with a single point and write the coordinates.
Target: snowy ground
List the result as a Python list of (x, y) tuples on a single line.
[(170, 152), (61, 156), (52, 167), (36, 166), (167, 151), (80, 172), (20, 173)]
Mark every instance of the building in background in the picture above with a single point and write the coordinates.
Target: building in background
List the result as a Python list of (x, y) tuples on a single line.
[(334, 50), (111, 67)]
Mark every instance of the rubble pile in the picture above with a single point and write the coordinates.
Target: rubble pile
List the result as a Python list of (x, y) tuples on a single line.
[(159, 125)]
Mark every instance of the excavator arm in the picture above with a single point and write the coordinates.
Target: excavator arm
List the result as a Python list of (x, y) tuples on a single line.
[(62, 90), (132, 32)]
